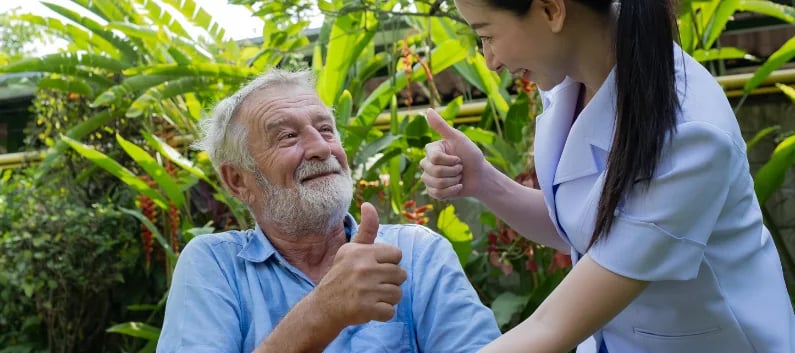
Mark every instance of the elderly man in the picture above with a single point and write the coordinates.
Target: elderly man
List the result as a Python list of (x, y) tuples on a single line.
[(308, 279)]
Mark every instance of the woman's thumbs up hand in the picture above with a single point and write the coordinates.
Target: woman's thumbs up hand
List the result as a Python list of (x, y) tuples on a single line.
[(452, 166)]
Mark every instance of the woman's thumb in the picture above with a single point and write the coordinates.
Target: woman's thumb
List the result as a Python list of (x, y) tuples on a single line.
[(437, 123)]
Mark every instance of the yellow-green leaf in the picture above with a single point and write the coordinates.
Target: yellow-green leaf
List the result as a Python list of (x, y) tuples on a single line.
[(457, 232)]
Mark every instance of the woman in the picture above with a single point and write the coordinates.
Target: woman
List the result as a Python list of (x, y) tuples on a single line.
[(643, 177)]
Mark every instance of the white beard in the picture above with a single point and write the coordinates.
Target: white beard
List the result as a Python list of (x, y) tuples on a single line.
[(312, 207)]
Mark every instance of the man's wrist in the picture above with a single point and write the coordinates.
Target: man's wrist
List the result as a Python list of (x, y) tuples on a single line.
[(310, 315), (322, 316)]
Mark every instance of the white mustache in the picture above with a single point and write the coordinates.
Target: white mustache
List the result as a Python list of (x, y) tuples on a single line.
[(307, 170)]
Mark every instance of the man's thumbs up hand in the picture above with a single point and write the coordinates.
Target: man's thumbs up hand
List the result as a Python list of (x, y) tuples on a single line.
[(364, 282)]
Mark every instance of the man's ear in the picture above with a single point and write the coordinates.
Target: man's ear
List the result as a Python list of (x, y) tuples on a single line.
[(554, 13), (238, 182)]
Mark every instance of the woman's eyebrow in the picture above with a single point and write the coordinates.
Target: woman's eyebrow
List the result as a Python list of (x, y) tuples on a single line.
[(476, 26)]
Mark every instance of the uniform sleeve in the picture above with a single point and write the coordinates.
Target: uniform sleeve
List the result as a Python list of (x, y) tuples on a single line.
[(202, 311), (660, 232), (448, 314)]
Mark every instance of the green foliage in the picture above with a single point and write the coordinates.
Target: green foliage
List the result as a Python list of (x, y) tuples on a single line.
[(58, 264), (17, 39), (701, 22), (130, 88)]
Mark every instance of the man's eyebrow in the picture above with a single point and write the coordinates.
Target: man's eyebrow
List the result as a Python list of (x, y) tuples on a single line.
[(476, 26), (275, 122), (324, 116)]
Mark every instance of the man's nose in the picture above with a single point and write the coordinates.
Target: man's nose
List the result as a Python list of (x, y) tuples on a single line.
[(315, 146)]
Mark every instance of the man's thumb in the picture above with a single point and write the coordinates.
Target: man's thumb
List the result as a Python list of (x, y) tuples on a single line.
[(368, 227), (437, 123)]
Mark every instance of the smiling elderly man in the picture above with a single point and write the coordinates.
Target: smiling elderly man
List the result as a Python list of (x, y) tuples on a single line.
[(307, 278)]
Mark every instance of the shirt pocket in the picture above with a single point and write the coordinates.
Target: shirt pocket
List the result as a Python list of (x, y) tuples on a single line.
[(711, 339), (381, 337)]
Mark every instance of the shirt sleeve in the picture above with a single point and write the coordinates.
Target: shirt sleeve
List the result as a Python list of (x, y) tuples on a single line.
[(448, 315), (660, 232), (202, 311)]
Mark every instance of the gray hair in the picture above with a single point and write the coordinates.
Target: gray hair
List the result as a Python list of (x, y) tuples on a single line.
[(223, 138)]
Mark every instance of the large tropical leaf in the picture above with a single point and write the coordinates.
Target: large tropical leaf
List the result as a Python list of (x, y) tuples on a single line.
[(704, 55), (772, 175), (132, 85), (136, 329), (176, 157), (457, 232), (77, 132), (721, 16), (66, 85), (196, 15), (350, 34), (126, 49), (221, 71), (788, 90), (157, 41), (154, 169), (162, 18), (760, 135), (769, 8), (156, 95), (76, 36), (119, 171), (66, 64), (476, 72), (778, 58)]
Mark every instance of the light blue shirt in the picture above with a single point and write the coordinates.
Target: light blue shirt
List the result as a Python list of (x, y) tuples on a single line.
[(696, 233), (230, 290)]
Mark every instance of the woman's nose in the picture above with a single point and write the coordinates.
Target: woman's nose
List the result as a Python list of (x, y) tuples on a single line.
[(491, 60)]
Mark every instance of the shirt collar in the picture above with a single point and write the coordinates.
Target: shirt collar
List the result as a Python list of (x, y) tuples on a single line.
[(258, 248), (594, 127)]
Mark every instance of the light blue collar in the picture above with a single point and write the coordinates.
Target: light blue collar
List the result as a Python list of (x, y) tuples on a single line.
[(258, 248)]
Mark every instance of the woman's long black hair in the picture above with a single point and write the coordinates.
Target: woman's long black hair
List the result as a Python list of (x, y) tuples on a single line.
[(647, 102)]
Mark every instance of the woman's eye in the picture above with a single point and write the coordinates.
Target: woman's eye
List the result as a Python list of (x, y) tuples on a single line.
[(484, 39)]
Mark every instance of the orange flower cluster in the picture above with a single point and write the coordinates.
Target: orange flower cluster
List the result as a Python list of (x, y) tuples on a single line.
[(525, 85), (407, 58), (506, 246), (149, 210), (379, 185), (416, 214), (173, 213)]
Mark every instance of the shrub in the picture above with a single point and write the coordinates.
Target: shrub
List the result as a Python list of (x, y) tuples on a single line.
[(59, 261)]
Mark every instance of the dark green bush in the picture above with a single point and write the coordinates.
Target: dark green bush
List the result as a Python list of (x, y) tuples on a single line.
[(59, 262)]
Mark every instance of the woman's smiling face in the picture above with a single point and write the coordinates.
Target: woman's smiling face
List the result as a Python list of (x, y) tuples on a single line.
[(529, 45)]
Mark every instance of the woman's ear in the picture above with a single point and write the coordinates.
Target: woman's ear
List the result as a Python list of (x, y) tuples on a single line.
[(554, 12), (238, 182)]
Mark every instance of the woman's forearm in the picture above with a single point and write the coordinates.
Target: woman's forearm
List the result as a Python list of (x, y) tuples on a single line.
[(520, 207)]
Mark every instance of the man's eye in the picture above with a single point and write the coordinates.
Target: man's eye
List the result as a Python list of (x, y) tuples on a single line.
[(287, 135)]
